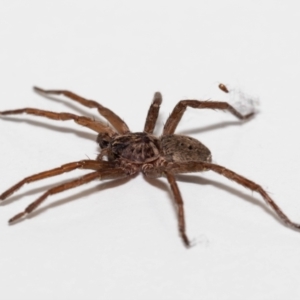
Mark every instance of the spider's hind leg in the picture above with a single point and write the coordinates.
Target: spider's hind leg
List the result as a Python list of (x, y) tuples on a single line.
[(187, 167)]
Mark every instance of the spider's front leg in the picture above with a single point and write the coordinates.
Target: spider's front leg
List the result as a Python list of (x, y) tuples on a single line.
[(109, 173), (188, 167), (82, 164)]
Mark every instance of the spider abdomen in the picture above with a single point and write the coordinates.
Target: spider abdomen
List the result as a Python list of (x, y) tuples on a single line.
[(138, 147), (179, 148)]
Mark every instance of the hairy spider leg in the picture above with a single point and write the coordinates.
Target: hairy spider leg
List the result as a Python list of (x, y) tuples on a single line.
[(181, 106), (153, 113), (63, 116), (186, 167), (110, 173), (179, 206), (83, 164), (112, 118)]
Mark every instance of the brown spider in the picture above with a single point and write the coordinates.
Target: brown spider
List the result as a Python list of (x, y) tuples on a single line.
[(124, 153)]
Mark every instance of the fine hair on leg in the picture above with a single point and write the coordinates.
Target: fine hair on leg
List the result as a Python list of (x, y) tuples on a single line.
[(153, 113), (111, 117), (113, 173), (63, 116), (181, 106), (187, 167)]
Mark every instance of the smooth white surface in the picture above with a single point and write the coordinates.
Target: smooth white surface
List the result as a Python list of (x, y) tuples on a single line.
[(120, 240)]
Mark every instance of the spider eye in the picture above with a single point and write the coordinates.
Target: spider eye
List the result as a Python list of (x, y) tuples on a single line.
[(104, 140), (104, 144)]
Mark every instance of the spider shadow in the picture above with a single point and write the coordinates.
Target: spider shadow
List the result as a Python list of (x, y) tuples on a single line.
[(216, 126), (156, 182), (79, 133), (73, 106)]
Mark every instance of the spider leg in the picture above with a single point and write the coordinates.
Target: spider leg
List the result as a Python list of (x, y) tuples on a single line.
[(83, 164), (110, 173), (114, 119), (181, 106), (179, 206), (176, 168), (84, 121), (153, 113)]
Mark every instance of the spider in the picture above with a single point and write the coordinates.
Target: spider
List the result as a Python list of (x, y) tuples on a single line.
[(125, 153)]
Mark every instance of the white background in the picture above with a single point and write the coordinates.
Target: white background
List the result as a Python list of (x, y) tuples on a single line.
[(119, 240)]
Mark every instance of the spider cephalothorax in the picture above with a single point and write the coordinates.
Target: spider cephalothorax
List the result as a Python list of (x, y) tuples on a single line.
[(137, 147), (124, 153)]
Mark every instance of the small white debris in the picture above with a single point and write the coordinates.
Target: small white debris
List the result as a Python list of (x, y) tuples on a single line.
[(242, 101)]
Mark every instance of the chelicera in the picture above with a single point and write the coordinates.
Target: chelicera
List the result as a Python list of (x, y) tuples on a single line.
[(124, 153)]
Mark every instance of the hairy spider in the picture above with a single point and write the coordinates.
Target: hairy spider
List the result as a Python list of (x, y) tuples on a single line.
[(124, 153)]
